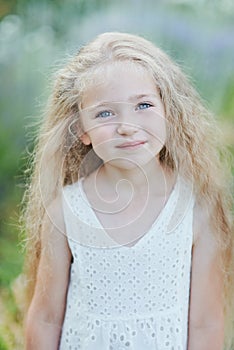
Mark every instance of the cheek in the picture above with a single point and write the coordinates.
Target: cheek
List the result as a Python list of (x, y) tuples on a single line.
[(101, 134), (161, 131), (157, 128), (101, 140), (163, 126)]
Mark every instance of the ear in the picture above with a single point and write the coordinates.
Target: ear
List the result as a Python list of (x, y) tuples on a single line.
[(85, 139)]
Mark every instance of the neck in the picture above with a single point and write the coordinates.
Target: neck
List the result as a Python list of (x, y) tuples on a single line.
[(152, 177)]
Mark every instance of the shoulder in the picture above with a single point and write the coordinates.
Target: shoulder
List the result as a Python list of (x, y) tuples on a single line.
[(53, 224), (200, 218), (54, 211), (204, 232)]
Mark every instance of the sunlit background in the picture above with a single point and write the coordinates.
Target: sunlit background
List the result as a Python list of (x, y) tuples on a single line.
[(37, 36)]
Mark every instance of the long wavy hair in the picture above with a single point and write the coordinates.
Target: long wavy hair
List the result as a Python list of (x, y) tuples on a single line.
[(192, 147)]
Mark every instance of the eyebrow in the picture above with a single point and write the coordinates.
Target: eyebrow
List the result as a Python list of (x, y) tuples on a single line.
[(138, 97), (130, 99)]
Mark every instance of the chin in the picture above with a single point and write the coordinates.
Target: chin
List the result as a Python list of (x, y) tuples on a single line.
[(127, 164)]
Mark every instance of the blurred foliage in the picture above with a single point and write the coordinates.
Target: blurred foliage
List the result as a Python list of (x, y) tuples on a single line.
[(35, 36), (3, 345)]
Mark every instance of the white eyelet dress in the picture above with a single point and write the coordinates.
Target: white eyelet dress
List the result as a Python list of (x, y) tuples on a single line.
[(131, 298)]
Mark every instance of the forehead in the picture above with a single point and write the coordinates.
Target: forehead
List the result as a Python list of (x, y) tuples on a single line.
[(117, 82)]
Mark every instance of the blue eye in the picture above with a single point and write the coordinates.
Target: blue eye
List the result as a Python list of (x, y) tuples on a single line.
[(144, 105), (104, 114)]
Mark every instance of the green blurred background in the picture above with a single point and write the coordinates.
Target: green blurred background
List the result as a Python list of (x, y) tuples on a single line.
[(35, 38)]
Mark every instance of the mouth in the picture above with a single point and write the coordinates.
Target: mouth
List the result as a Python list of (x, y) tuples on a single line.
[(131, 145)]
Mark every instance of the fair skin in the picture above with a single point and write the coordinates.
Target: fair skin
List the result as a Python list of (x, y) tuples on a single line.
[(46, 312), (124, 120), (206, 323)]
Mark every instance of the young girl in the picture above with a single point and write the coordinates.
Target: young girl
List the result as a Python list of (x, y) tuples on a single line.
[(128, 212)]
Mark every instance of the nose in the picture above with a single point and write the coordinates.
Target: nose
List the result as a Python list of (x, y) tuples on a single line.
[(127, 129)]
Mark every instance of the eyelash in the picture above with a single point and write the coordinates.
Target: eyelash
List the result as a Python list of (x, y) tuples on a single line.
[(110, 114), (99, 115), (145, 103)]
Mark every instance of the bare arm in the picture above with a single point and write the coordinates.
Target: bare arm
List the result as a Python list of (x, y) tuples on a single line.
[(206, 319), (46, 312)]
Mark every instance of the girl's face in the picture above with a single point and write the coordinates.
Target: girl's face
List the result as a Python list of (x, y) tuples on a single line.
[(123, 116)]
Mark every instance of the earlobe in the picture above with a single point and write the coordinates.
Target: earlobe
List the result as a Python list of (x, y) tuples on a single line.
[(85, 139)]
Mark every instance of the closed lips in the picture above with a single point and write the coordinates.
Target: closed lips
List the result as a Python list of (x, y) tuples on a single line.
[(131, 144)]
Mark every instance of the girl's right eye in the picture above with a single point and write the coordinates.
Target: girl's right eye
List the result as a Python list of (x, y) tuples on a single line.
[(104, 114)]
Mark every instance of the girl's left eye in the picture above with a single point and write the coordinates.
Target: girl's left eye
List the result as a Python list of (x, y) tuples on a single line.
[(104, 114), (144, 105)]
